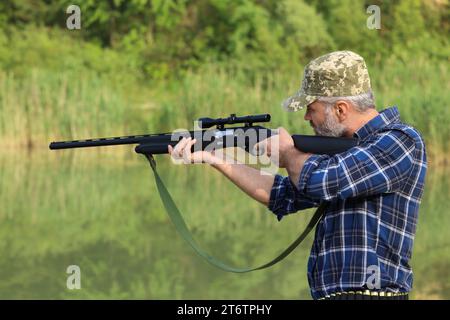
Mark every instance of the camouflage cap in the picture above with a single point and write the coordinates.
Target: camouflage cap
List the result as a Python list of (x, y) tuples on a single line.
[(336, 74)]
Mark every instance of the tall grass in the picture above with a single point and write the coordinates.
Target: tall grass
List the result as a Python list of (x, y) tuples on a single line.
[(420, 92), (45, 105)]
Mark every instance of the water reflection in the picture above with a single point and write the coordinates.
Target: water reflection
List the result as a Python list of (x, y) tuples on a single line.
[(102, 213)]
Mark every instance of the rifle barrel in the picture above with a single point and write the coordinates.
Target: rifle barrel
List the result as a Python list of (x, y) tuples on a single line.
[(112, 141)]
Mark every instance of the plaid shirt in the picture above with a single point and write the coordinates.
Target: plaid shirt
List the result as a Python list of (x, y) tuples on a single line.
[(373, 192)]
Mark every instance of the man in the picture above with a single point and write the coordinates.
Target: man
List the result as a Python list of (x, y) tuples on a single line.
[(363, 243)]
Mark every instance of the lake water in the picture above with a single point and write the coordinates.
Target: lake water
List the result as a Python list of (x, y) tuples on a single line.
[(101, 212)]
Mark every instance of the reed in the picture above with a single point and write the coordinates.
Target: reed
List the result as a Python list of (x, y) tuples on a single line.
[(45, 106)]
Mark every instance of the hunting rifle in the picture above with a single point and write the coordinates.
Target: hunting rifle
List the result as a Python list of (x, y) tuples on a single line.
[(222, 136)]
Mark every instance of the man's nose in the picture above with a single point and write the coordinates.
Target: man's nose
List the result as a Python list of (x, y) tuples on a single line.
[(307, 117)]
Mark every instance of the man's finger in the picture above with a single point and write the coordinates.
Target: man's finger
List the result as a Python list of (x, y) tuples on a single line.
[(260, 148), (178, 151), (177, 147), (190, 157), (187, 151)]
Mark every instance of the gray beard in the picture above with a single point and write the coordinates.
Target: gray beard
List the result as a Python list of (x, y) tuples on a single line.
[(331, 127)]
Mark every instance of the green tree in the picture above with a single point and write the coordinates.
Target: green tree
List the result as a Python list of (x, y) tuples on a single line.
[(304, 29)]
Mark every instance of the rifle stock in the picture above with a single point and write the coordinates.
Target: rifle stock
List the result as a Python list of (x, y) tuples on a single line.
[(323, 145)]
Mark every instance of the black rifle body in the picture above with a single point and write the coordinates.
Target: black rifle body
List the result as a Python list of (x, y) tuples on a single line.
[(216, 139)]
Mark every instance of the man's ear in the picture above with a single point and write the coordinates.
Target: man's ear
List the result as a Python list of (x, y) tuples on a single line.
[(342, 109)]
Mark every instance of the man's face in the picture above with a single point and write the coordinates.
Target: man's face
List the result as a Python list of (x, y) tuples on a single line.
[(323, 120)]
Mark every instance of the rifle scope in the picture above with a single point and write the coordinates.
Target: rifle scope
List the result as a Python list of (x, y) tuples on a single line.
[(232, 119)]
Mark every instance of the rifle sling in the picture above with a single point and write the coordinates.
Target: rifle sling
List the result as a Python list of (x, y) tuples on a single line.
[(177, 219)]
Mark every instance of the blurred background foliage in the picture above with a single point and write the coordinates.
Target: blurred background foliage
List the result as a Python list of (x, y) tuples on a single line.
[(157, 39), (142, 66)]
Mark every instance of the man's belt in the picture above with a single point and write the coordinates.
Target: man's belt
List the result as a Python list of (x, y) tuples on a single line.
[(366, 293)]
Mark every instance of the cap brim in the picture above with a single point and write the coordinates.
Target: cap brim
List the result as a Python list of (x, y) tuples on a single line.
[(298, 102)]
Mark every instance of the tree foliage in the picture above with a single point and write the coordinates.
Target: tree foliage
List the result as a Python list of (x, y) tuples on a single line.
[(161, 37)]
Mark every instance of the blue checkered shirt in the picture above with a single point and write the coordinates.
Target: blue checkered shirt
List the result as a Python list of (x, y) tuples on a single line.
[(365, 238)]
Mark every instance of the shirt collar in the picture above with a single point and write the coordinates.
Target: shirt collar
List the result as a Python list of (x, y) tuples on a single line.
[(386, 116)]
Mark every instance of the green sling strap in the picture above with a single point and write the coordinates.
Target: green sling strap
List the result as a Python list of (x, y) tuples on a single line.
[(180, 225)]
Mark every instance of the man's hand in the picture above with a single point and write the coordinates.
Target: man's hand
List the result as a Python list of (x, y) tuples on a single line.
[(279, 148), (182, 153)]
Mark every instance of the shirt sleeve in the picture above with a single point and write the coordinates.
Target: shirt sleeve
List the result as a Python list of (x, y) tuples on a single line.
[(379, 167), (285, 199)]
